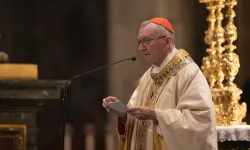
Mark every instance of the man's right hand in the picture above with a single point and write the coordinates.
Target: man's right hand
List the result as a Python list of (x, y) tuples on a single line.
[(108, 109)]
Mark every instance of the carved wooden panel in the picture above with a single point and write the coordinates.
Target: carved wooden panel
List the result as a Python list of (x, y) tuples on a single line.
[(13, 136)]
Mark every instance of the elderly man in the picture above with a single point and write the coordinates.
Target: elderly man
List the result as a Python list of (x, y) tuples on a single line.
[(171, 109)]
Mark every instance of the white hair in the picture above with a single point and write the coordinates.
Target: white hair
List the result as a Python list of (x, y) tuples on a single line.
[(161, 31)]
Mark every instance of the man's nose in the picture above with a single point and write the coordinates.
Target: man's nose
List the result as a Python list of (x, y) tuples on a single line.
[(142, 47)]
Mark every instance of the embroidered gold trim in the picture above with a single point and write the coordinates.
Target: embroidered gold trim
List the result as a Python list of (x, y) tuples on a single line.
[(179, 61), (159, 82)]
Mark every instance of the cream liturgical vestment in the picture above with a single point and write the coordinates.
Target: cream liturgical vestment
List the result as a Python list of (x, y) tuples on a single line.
[(181, 97)]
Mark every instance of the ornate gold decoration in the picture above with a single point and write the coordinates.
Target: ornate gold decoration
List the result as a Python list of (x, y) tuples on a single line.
[(180, 60), (209, 61), (18, 132), (221, 65)]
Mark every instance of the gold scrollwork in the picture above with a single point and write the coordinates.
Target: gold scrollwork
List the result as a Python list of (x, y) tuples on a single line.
[(222, 64)]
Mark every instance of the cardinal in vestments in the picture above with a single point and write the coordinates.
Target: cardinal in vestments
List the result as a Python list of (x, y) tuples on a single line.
[(171, 108)]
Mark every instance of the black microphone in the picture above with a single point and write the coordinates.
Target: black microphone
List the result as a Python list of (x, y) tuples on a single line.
[(97, 69), (74, 77)]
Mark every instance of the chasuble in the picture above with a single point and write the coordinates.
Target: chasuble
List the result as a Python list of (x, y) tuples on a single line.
[(181, 97)]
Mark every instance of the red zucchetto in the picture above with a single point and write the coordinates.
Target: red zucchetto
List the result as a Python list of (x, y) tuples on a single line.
[(163, 22)]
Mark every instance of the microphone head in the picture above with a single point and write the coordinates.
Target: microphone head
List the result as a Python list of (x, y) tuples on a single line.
[(133, 58)]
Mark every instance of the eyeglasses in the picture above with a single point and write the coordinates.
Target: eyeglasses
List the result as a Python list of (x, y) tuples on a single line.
[(146, 42)]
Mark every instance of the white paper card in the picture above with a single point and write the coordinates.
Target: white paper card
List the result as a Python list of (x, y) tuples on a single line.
[(118, 106)]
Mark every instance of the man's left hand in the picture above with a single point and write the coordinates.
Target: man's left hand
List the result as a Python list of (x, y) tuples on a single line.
[(142, 113)]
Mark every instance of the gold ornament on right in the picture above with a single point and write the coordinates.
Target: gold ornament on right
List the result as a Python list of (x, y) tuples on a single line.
[(222, 64)]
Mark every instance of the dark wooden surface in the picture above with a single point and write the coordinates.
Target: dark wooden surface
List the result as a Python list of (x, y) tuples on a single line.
[(21, 102)]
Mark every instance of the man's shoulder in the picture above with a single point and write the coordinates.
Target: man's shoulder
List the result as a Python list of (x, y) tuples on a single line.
[(192, 66), (146, 75), (191, 71)]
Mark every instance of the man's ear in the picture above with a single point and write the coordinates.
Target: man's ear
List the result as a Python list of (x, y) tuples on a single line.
[(168, 41)]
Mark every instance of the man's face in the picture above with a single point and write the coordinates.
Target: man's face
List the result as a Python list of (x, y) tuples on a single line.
[(152, 46)]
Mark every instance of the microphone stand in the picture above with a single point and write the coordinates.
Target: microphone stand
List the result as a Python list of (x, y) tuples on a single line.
[(65, 96)]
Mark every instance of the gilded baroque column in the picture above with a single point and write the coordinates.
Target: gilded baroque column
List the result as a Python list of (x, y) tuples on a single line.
[(208, 61), (222, 64), (231, 67)]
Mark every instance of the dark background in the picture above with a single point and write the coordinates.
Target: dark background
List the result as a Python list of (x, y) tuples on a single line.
[(63, 38), (68, 37)]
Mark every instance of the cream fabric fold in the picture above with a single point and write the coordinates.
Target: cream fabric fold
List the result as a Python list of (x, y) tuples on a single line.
[(184, 111)]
